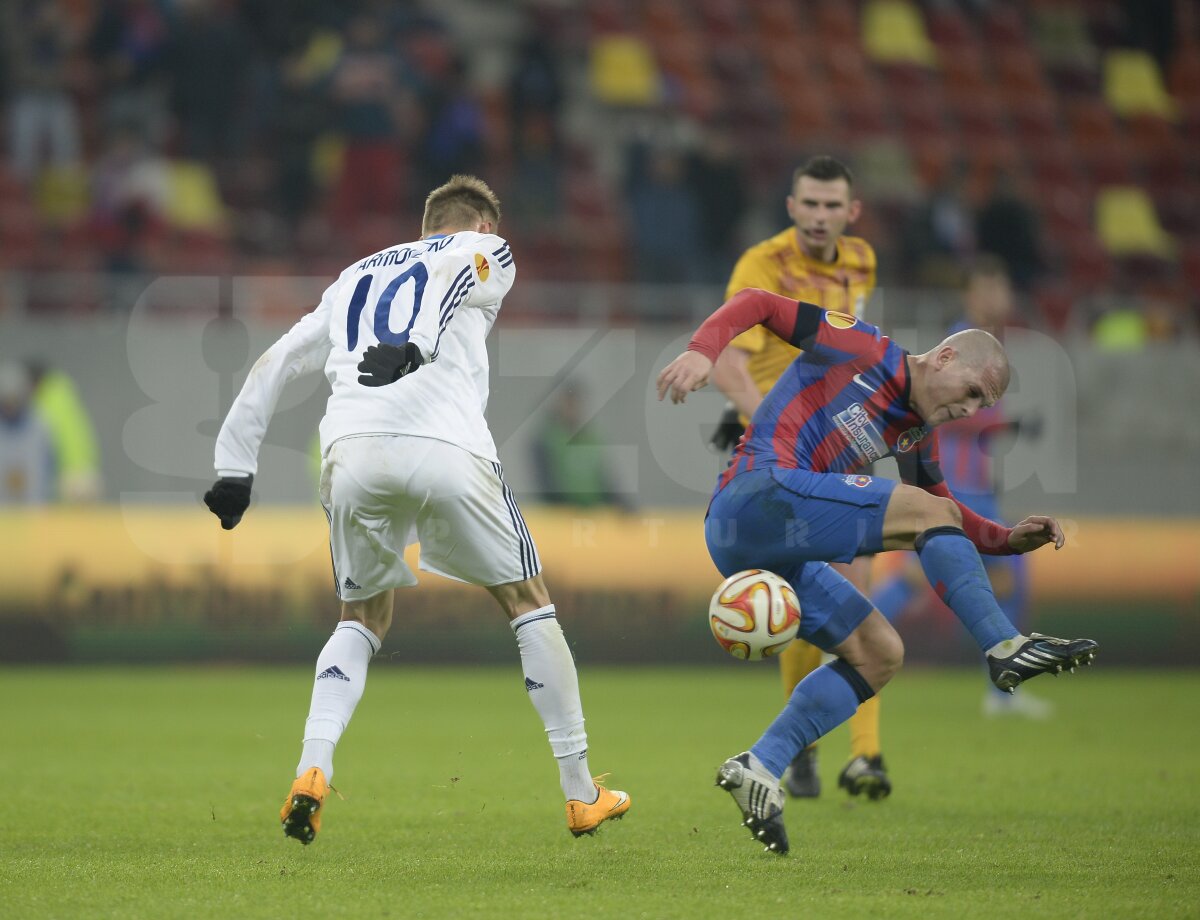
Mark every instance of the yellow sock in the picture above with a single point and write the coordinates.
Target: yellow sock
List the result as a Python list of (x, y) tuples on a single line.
[(796, 662), (864, 729)]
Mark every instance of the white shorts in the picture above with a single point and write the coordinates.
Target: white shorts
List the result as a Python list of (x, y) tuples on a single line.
[(385, 492)]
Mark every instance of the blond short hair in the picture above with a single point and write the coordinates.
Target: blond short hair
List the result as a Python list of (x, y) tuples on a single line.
[(462, 201)]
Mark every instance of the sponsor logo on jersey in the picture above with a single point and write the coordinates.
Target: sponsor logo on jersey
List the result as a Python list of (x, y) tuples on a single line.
[(858, 481), (482, 269), (839, 320), (855, 423), (906, 441), (858, 378)]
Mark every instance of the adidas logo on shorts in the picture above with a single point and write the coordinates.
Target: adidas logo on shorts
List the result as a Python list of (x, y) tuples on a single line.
[(349, 584)]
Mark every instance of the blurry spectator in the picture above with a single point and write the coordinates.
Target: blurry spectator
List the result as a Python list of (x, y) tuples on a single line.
[(988, 299), (569, 456), (370, 105), (126, 44), (535, 90), (26, 451), (1152, 27), (943, 234), (56, 402), (122, 215), (666, 216), (208, 57), (718, 180), (41, 110), (300, 115), (453, 138), (537, 178), (1006, 226)]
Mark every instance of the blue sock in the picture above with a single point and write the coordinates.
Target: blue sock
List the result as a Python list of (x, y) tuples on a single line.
[(953, 567), (822, 701), (892, 597)]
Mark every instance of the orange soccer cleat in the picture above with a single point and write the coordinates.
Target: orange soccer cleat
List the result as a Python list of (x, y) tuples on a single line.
[(301, 812), (583, 818)]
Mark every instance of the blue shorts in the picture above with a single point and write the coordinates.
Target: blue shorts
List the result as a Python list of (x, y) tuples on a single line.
[(793, 523)]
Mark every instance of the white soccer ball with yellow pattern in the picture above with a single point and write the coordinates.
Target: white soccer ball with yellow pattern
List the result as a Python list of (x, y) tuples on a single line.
[(754, 614)]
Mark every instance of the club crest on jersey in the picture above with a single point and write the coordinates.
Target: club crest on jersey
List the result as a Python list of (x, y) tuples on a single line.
[(855, 423), (906, 441), (858, 481), (482, 269), (839, 320)]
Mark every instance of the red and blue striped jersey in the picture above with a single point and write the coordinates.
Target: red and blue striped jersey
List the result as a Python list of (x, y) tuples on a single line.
[(840, 405)]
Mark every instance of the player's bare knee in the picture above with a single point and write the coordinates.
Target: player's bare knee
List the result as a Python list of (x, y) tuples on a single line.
[(375, 613), (887, 650), (521, 597)]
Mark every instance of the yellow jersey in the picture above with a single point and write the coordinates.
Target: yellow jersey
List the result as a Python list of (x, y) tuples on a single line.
[(780, 266)]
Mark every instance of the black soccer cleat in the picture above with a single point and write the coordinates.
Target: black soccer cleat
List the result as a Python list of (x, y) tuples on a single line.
[(1040, 655), (866, 775), (800, 779), (760, 800)]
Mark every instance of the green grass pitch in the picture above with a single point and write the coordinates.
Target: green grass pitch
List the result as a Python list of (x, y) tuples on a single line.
[(154, 793)]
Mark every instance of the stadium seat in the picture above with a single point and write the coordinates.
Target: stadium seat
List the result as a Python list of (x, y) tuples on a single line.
[(1056, 305), (1184, 76), (1108, 162), (664, 19), (778, 18), (1091, 122), (1127, 224), (962, 67), (61, 194), (193, 202), (1088, 266), (893, 32), (836, 21), (1018, 71), (949, 28), (1003, 26), (1134, 86), (622, 71)]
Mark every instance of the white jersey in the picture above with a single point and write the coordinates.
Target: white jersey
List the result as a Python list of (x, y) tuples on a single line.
[(441, 293)]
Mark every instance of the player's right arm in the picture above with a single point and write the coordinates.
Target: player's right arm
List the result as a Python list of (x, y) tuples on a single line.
[(793, 321), (731, 372), (305, 347)]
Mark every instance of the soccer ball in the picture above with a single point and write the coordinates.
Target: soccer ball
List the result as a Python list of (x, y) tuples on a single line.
[(754, 614)]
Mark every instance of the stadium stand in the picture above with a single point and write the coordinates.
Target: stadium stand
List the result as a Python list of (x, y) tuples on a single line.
[(1068, 97)]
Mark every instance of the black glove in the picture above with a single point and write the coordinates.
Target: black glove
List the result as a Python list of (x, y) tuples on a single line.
[(384, 364), (729, 429), (229, 498)]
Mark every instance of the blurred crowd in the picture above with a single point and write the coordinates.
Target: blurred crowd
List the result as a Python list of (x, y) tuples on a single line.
[(628, 141)]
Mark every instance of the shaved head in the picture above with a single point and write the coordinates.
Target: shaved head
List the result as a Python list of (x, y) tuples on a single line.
[(983, 352)]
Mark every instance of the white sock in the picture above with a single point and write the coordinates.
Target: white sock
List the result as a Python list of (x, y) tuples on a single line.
[(553, 688), (1007, 647), (340, 678)]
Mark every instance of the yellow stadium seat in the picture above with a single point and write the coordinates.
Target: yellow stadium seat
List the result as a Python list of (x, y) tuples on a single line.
[(894, 33), (193, 201), (1127, 223), (1133, 85), (61, 194), (622, 71)]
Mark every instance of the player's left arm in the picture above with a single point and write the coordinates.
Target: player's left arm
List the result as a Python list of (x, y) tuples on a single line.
[(920, 467)]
